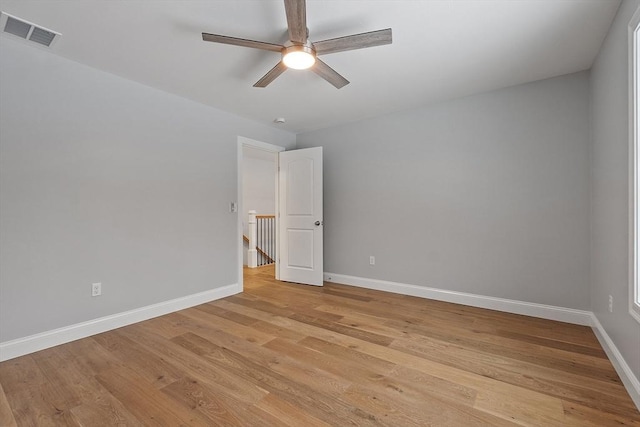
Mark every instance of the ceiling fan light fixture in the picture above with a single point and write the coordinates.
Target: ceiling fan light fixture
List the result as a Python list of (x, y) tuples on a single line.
[(298, 57), (299, 52)]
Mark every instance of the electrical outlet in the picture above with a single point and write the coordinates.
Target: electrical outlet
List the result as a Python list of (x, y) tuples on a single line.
[(372, 260), (610, 304), (96, 289)]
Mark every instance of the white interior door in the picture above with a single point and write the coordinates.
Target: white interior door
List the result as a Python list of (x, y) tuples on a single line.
[(300, 216)]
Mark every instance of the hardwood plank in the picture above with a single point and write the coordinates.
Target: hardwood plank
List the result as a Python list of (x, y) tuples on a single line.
[(152, 368), (40, 406), (343, 368), (536, 351), (320, 331), (578, 415), (328, 408), (350, 295), (104, 410), (371, 309), (247, 333), (65, 376), (92, 356), (485, 343), (369, 400), (551, 381), (163, 327), (6, 415), (194, 365), (225, 314), (401, 407), (522, 406), (277, 331), (270, 360), (343, 330), (288, 414), (429, 310), (290, 355), (489, 391), (434, 387), (349, 354), (221, 409), (32, 398), (146, 402), (20, 372), (297, 301), (259, 304), (553, 343)]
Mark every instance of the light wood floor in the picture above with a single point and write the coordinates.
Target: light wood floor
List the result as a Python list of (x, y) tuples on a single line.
[(285, 354)]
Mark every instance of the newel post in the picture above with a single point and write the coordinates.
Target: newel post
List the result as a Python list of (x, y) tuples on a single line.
[(252, 253)]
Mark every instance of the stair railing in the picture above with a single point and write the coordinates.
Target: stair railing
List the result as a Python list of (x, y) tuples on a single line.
[(266, 239), (261, 240)]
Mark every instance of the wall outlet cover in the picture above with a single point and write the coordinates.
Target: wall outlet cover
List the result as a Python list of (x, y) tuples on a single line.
[(96, 289)]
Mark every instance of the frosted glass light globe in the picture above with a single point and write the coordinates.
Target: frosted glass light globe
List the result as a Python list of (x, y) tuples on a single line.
[(299, 57)]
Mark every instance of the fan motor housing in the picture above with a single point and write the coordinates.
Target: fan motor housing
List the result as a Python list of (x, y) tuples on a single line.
[(299, 56)]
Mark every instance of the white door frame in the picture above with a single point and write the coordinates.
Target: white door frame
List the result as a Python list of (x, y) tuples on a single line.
[(242, 141)]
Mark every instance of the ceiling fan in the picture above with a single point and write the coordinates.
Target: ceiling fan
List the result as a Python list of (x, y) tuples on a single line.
[(300, 53)]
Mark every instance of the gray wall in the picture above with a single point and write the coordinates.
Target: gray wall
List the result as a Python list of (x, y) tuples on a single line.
[(488, 194), (105, 180), (610, 189)]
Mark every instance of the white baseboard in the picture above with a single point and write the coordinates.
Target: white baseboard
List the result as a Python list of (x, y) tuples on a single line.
[(562, 314), (630, 381), (33, 343)]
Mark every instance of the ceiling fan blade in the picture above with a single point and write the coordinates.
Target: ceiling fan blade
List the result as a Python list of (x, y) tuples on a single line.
[(296, 20), (271, 75), (216, 38), (355, 41), (329, 74)]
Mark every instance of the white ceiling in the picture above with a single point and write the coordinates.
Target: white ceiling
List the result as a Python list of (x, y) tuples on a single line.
[(442, 49)]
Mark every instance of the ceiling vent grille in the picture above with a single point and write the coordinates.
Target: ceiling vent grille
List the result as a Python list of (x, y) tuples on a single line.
[(28, 31)]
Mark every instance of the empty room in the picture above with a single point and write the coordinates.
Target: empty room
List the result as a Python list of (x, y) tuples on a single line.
[(320, 213)]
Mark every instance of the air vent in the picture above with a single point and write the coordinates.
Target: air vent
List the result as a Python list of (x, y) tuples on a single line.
[(17, 28), (27, 30)]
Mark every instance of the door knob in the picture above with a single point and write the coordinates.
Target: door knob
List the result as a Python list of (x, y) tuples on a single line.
[(318, 223)]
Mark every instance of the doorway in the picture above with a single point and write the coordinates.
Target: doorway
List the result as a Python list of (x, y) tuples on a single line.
[(298, 193), (258, 191)]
